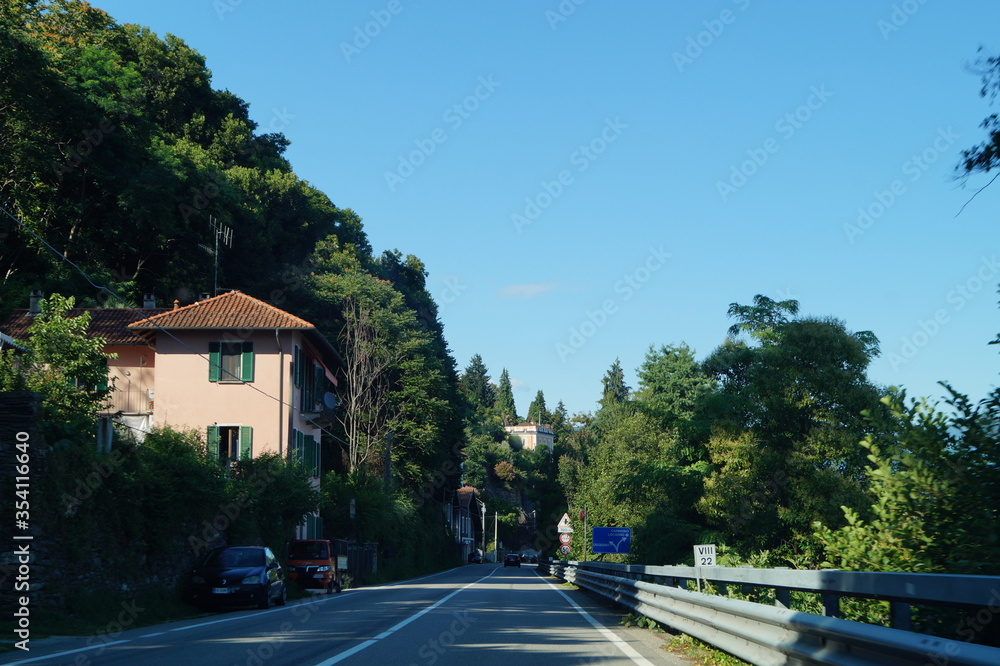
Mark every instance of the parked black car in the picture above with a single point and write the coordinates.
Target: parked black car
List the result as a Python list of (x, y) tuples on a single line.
[(236, 575), (475, 558), (512, 559)]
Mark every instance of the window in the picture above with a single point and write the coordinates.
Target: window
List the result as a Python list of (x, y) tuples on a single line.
[(306, 448), (230, 442), (230, 362)]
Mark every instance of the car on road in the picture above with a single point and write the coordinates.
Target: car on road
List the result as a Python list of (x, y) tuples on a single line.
[(475, 558), (312, 563), (512, 559), (237, 575)]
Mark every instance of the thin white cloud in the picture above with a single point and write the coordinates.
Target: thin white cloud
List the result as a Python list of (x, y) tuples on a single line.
[(527, 291)]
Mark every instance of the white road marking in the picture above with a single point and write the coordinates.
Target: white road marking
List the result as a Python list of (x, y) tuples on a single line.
[(622, 645), (388, 632), (63, 654)]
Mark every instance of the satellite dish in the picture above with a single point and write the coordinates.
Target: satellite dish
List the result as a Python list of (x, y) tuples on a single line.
[(329, 401)]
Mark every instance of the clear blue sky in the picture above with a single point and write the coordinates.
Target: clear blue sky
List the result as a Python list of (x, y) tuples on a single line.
[(614, 176)]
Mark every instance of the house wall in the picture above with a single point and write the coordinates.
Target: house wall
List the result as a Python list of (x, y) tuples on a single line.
[(134, 373), (186, 398)]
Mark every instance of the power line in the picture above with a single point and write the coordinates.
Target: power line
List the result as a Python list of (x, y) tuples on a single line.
[(107, 290)]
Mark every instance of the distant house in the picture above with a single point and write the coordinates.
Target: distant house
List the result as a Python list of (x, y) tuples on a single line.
[(132, 369), (532, 435), (250, 377), (459, 518)]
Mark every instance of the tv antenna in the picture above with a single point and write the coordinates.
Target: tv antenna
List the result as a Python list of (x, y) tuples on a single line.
[(225, 234)]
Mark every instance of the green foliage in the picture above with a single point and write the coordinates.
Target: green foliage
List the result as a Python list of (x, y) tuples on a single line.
[(935, 491), (537, 413), (505, 406), (64, 365)]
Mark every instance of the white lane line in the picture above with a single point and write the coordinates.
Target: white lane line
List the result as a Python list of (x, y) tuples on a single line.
[(391, 630), (158, 633), (621, 644), (56, 655)]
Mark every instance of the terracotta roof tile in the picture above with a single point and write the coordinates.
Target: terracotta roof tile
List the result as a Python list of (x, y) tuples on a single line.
[(108, 323), (232, 310)]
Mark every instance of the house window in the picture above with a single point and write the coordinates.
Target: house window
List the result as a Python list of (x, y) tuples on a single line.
[(228, 443), (230, 362), (306, 448)]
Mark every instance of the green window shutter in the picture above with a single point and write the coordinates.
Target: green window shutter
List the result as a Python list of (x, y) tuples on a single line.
[(247, 373), (297, 367), (246, 442), (310, 455), (212, 441), (300, 442), (214, 361)]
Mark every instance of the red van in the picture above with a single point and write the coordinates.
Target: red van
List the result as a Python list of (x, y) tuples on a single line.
[(313, 564)]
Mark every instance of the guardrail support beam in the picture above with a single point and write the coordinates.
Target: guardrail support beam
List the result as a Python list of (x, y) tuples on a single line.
[(899, 615)]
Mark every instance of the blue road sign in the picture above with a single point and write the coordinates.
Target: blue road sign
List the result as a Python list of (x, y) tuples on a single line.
[(612, 540)]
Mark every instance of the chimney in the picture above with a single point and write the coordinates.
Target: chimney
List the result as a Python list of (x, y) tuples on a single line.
[(177, 304), (149, 300), (35, 302), (204, 296)]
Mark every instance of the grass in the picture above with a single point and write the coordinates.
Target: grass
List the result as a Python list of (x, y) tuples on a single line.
[(703, 653)]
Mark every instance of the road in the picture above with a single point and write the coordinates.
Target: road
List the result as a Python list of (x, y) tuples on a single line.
[(475, 614)]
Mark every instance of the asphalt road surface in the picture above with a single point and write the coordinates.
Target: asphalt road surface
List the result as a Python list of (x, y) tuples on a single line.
[(474, 615)]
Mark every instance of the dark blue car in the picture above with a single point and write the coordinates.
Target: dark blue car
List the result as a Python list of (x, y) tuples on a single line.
[(237, 575)]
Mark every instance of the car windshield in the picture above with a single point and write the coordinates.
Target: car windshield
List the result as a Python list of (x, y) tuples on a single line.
[(236, 557), (308, 550)]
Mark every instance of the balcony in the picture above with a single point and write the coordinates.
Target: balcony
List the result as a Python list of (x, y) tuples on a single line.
[(131, 401)]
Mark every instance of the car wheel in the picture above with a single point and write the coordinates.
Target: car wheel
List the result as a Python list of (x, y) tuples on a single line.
[(284, 596), (265, 599)]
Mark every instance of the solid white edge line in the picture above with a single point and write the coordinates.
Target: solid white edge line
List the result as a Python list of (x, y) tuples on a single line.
[(56, 655), (618, 642), (391, 630)]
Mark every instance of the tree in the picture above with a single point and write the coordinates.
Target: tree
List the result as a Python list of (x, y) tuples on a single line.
[(985, 156), (537, 413), (505, 400), (671, 384), (935, 486), (62, 363), (614, 390), (788, 418), (476, 386)]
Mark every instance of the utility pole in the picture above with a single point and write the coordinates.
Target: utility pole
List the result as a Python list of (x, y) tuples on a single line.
[(496, 537)]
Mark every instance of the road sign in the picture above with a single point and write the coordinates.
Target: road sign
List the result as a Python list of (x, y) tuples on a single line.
[(565, 538), (564, 550), (564, 526), (704, 555), (612, 540)]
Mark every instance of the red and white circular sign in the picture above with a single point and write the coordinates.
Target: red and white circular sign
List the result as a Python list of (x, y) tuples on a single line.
[(564, 550), (565, 538)]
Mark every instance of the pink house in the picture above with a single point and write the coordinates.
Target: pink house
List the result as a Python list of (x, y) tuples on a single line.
[(250, 377)]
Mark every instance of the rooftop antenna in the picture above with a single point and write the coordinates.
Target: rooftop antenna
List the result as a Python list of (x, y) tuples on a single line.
[(224, 233)]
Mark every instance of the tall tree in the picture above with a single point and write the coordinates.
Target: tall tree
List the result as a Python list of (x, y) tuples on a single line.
[(537, 413), (505, 400), (614, 390), (476, 386), (671, 384)]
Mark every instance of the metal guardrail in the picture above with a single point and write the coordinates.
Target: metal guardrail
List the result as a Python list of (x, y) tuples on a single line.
[(764, 634)]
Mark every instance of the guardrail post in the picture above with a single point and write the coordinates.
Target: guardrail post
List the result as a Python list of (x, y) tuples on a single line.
[(899, 615), (782, 597), (831, 604)]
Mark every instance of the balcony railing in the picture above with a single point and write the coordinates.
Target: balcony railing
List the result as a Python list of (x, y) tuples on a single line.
[(129, 401)]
